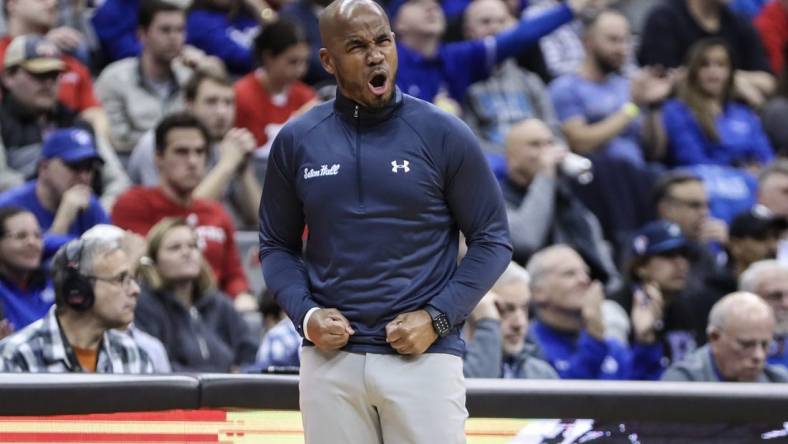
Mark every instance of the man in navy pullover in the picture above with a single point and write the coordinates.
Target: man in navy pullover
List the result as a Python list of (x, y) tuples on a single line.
[(385, 183)]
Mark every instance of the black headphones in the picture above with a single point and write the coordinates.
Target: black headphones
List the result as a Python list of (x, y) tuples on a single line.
[(77, 289)]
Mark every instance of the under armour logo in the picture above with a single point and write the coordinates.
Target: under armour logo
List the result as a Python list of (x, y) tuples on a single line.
[(395, 167)]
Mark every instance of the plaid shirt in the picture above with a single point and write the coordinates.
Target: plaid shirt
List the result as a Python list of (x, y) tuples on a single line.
[(41, 348), (281, 346)]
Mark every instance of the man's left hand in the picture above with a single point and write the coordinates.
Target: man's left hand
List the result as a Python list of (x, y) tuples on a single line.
[(411, 333)]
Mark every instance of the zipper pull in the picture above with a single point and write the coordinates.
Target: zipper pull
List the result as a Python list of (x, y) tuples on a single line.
[(355, 112)]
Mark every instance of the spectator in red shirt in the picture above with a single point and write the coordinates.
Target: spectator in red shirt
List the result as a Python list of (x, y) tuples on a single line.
[(267, 97), (772, 25), (181, 155)]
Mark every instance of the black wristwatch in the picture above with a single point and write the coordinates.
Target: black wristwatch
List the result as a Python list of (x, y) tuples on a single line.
[(440, 323)]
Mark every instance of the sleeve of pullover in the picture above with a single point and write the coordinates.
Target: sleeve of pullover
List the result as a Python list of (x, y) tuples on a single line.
[(281, 226), (475, 200)]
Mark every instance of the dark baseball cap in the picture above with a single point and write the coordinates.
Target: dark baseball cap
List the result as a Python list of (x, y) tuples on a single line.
[(658, 238), (756, 223), (33, 53), (72, 145)]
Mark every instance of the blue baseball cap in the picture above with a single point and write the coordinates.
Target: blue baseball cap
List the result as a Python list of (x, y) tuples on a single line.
[(657, 238), (72, 145)]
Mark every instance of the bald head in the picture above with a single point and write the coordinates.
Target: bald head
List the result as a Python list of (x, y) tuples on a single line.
[(339, 15), (739, 307), (484, 18), (529, 144)]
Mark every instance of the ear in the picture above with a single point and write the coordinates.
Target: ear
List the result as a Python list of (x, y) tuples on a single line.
[(713, 334), (326, 61)]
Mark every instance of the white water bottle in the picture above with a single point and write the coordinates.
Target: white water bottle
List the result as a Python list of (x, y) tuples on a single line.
[(577, 167)]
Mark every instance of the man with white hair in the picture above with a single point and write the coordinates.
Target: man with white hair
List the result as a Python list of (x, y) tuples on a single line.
[(769, 280), (740, 331), (498, 348), (95, 293)]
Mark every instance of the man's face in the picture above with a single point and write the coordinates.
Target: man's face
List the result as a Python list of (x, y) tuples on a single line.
[(525, 146), (214, 106), (38, 14), (512, 304), (740, 348), (21, 245), (562, 289), (773, 288), (747, 250), (421, 18), (60, 176), (484, 18), (165, 37), (35, 91), (182, 163), (115, 290), (773, 194), (686, 205), (668, 271), (609, 42), (363, 57)]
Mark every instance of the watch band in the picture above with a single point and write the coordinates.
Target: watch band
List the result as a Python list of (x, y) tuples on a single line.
[(440, 322)]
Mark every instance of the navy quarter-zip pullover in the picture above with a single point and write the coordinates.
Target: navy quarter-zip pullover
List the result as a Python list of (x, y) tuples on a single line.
[(384, 193)]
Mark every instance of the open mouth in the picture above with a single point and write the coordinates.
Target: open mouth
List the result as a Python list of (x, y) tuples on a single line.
[(378, 84)]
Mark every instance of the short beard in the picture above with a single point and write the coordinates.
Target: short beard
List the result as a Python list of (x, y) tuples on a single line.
[(605, 66)]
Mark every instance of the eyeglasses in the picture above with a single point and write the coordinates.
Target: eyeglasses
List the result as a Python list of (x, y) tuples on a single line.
[(122, 280), (43, 76), (776, 296), (690, 203), (22, 235)]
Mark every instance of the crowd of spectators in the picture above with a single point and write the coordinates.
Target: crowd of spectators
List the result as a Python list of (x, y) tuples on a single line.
[(134, 140)]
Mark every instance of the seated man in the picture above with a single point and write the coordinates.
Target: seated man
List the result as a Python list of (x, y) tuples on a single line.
[(25, 289), (61, 197), (212, 100), (740, 331), (655, 296), (569, 327), (541, 206), (137, 91), (95, 293), (769, 280), (181, 157), (30, 108), (497, 348)]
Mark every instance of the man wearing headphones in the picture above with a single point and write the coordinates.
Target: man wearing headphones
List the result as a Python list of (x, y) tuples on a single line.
[(95, 292)]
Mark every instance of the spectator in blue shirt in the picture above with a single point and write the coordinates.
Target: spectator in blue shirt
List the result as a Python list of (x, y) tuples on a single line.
[(225, 29), (703, 124), (568, 327), (25, 291), (61, 197), (115, 24), (429, 69)]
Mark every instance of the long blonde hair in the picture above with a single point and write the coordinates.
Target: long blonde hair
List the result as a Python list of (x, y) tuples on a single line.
[(690, 91), (148, 270)]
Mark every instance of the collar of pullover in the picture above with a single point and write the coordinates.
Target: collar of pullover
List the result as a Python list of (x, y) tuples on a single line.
[(346, 108)]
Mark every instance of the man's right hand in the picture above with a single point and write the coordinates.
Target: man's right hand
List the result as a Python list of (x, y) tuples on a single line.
[(328, 329), (74, 200), (592, 310), (236, 147)]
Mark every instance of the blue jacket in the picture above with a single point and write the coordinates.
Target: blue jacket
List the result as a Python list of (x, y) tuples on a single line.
[(581, 356), (457, 65), (742, 138), (23, 306), (231, 41), (385, 193), (115, 23), (24, 196)]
